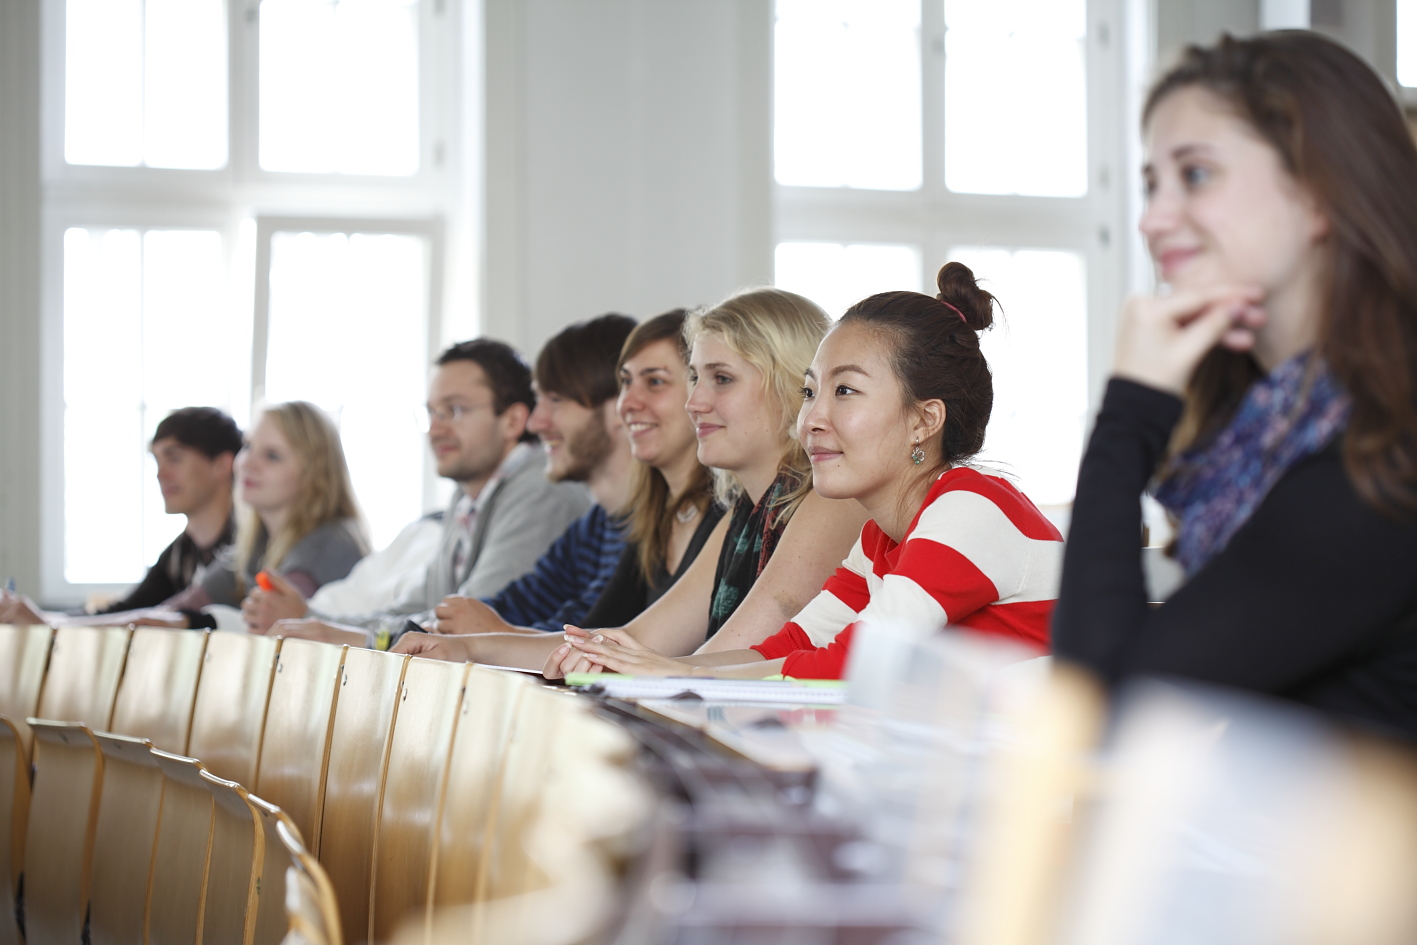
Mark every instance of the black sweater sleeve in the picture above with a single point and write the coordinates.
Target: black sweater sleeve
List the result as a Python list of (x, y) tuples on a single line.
[(1311, 599)]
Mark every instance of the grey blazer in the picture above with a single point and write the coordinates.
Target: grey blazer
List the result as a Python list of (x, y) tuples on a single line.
[(518, 521)]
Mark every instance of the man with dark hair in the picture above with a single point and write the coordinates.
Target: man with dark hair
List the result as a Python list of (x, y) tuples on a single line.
[(195, 448), (507, 510), (575, 419)]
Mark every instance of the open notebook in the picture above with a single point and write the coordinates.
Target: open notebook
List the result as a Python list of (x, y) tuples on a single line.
[(800, 691)]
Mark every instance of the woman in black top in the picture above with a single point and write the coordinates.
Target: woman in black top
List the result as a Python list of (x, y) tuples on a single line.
[(1272, 393)]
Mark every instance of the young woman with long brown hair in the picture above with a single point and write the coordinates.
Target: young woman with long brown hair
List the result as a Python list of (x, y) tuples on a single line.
[(1272, 392)]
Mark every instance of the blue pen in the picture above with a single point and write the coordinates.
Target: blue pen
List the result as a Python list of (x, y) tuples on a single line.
[(10, 584)]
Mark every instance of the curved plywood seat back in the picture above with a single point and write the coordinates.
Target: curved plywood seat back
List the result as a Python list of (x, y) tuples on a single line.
[(311, 910), (85, 666), (295, 749), (24, 652), (159, 686), (181, 853), (233, 878), (14, 815), (131, 796), (413, 792), (230, 710), (474, 770), (270, 923), (370, 686), (68, 770)]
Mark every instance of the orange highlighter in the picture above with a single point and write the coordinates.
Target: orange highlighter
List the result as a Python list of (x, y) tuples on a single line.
[(263, 581)]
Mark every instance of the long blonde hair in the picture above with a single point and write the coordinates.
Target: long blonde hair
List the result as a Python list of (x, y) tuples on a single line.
[(325, 493), (777, 332)]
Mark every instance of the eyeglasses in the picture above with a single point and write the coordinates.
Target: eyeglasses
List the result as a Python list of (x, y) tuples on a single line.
[(452, 413)]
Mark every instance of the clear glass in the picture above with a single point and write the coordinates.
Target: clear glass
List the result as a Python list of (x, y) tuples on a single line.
[(145, 83), (349, 332), (1407, 42), (1016, 97), (1037, 352), (339, 86), (847, 94), (146, 330), (836, 276)]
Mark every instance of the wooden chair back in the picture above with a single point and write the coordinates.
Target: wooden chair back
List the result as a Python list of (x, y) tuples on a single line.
[(24, 653), (181, 854), (295, 749), (14, 816), (230, 710), (413, 792), (312, 913), (130, 798), (85, 666), (359, 757), (68, 771), (489, 704), (234, 874), (159, 686), (271, 923)]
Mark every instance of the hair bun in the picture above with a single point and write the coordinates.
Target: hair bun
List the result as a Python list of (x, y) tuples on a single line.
[(960, 291)]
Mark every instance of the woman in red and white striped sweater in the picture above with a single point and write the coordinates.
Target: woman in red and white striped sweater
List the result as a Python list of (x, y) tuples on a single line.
[(896, 402)]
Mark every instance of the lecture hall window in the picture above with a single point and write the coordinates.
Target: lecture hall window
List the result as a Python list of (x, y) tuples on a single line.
[(200, 152), (908, 133)]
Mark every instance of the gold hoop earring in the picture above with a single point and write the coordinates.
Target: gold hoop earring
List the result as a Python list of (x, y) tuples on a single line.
[(917, 455)]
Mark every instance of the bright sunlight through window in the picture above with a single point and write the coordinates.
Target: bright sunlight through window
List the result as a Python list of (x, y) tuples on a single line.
[(146, 330), (1407, 42), (349, 332), (836, 276), (847, 93), (145, 83), (1037, 352), (339, 86), (1016, 97)]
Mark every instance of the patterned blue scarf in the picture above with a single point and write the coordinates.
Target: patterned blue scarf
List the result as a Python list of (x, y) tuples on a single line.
[(1290, 414)]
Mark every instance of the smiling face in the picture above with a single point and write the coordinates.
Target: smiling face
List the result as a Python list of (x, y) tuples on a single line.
[(576, 438), (1222, 209), (189, 480), (469, 439), (654, 383), (737, 428), (854, 422), (267, 469)]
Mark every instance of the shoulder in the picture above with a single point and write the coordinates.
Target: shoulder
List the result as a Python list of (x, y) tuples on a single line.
[(967, 496), (341, 535), (528, 483)]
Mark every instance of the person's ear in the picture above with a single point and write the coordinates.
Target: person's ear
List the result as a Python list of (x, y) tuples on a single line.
[(513, 421), (929, 419), (225, 463)]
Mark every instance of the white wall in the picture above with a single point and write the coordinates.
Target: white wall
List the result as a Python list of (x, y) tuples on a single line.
[(628, 158)]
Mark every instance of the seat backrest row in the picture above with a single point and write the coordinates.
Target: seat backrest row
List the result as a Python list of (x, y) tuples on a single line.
[(355, 748)]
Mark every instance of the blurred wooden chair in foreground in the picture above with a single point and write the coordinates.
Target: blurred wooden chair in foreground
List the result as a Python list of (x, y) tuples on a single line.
[(85, 666), (230, 709), (68, 773), (159, 686), (130, 799)]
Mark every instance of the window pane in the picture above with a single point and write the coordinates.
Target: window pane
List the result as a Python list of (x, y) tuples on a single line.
[(847, 87), (1038, 354), (145, 83), (1407, 42), (145, 332), (339, 86), (1016, 97), (348, 331), (837, 276)]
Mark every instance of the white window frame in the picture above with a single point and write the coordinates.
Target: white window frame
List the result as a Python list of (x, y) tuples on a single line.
[(935, 219), (146, 198)]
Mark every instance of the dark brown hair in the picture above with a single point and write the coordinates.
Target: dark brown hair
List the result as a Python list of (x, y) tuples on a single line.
[(204, 429), (507, 373), (1340, 133), (579, 361), (651, 516), (934, 350)]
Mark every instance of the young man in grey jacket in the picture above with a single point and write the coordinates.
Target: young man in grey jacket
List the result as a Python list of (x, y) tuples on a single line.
[(501, 519)]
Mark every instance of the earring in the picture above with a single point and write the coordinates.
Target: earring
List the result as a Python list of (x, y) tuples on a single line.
[(917, 455)]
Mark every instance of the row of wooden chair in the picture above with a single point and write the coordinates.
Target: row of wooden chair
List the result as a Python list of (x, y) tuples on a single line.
[(415, 783)]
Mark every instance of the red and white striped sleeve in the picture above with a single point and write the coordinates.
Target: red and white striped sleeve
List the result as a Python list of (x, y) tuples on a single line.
[(832, 610)]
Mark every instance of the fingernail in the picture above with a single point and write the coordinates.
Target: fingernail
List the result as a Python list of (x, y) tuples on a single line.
[(598, 638)]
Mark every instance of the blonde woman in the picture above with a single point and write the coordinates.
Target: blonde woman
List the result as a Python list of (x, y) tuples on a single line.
[(297, 518), (780, 540)]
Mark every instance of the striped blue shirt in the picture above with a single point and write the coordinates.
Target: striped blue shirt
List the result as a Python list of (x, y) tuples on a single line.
[(568, 579)]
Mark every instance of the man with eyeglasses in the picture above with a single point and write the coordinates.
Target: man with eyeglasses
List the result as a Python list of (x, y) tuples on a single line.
[(502, 518)]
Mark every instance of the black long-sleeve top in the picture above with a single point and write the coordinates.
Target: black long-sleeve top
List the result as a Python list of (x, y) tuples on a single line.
[(1314, 599)]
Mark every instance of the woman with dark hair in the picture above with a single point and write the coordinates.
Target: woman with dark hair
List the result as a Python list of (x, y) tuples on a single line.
[(1272, 392), (895, 405)]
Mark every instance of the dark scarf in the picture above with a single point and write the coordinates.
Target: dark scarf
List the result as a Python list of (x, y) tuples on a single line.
[(1292, 413)]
